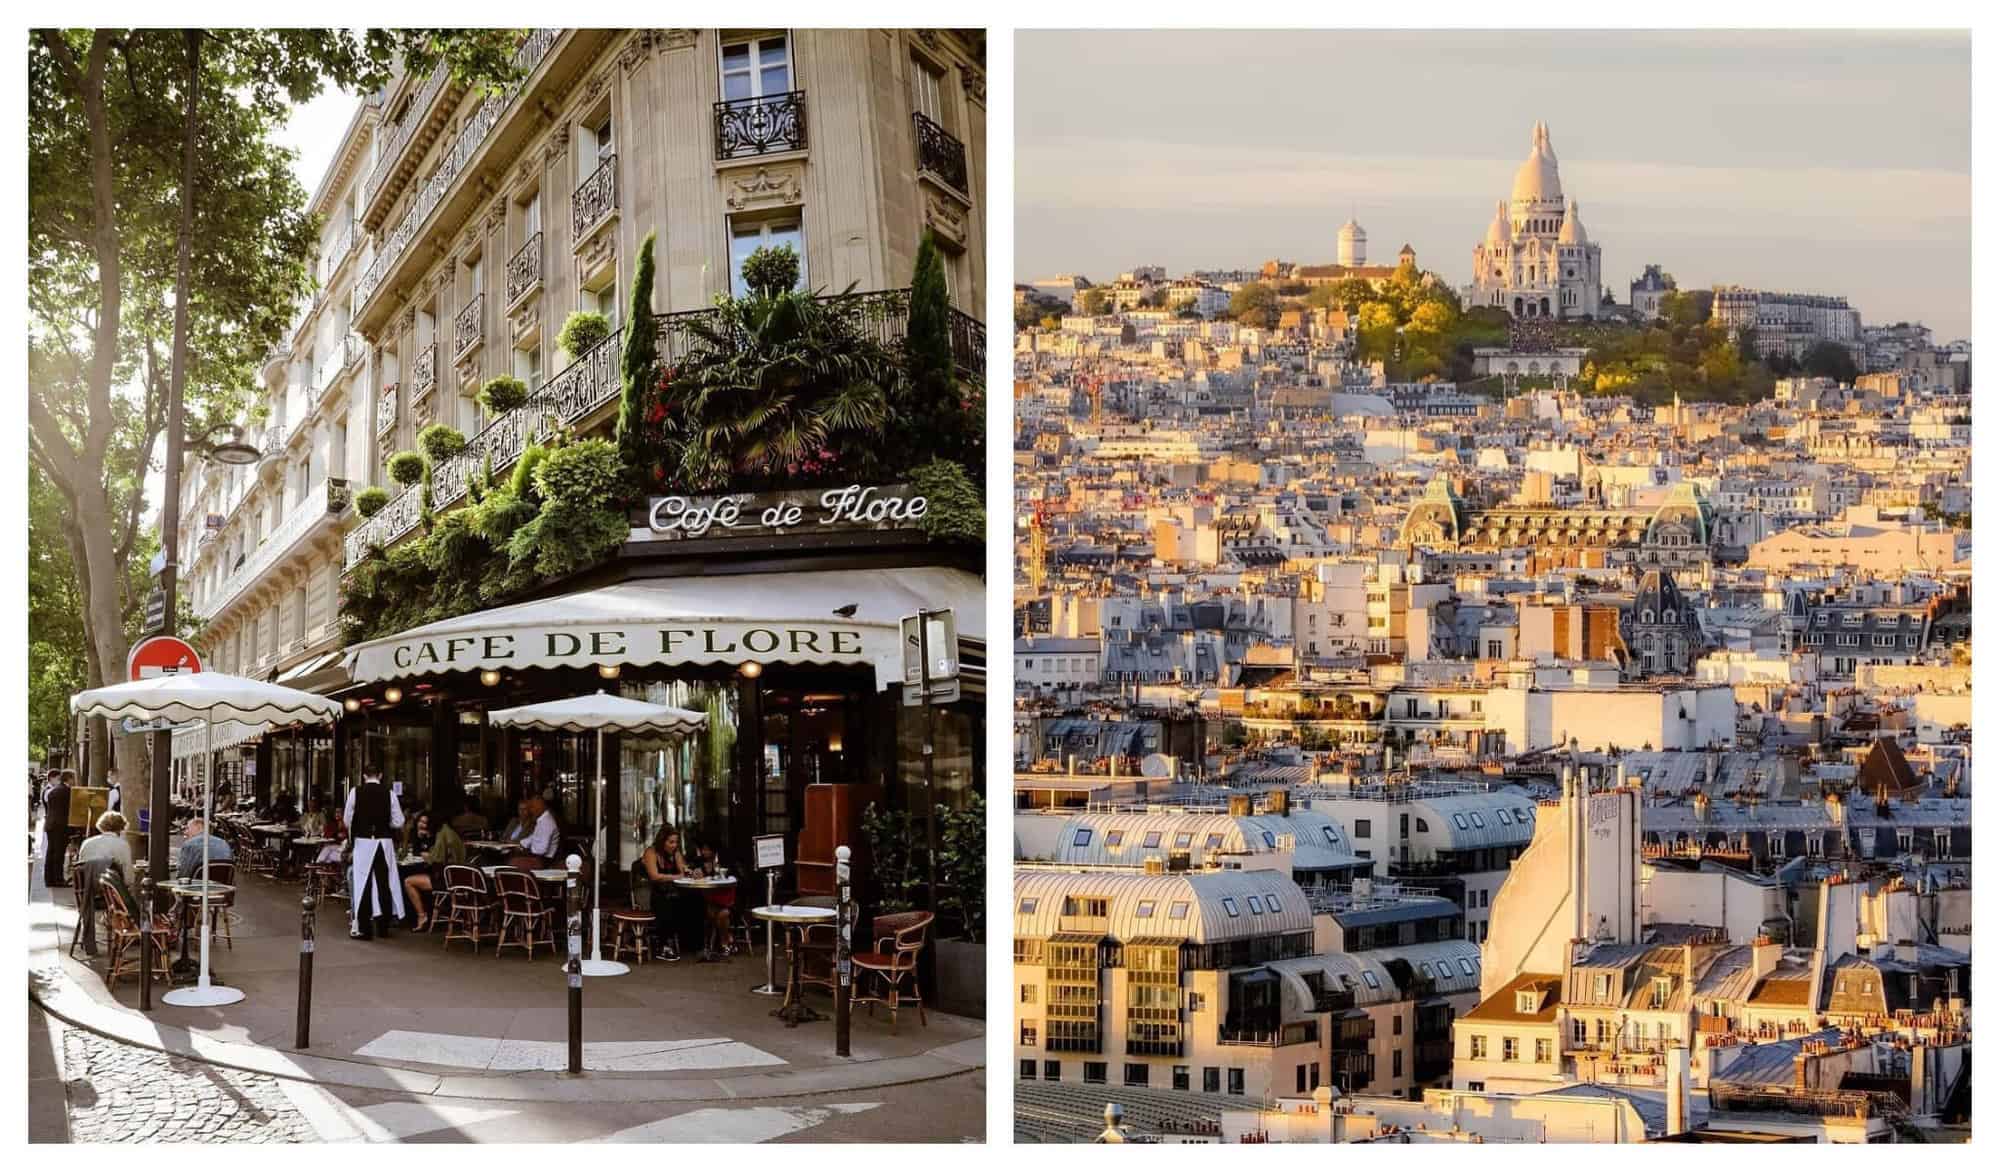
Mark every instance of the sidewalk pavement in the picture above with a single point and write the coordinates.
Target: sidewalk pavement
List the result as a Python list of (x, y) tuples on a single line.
[(407, 1016)]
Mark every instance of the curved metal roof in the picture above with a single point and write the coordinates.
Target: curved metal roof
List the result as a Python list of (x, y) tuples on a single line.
[(1127, 839), (1470, 821), (1200, 907)]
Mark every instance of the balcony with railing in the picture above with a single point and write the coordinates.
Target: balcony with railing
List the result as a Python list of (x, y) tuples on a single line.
[(595, 201), (322, 506), (582, 388), (353, 348), (592, 382), (941, 155), (453, 163), (337, 254), (470, 327), (424, 373), (394, 139), (524, 271), (749, 127), (385, 409)]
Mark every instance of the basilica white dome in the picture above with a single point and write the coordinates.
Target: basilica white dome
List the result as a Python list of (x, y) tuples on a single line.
[(1572, 230), (1537, 180)]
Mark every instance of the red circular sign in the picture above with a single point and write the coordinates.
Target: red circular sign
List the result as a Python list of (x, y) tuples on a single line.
[(161, 655)]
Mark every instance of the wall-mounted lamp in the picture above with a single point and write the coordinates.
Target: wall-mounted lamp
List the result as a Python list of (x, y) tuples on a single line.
[(751, 670), (489, 677), (392, 695)]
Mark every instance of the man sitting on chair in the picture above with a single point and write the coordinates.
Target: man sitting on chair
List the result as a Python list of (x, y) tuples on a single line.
[(187, 864), (373, 816), (540, 840)]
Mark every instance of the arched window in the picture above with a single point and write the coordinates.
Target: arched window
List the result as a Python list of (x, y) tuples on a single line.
[(1646, 616)]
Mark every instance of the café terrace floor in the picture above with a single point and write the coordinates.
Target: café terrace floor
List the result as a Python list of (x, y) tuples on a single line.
[(406, 1013)]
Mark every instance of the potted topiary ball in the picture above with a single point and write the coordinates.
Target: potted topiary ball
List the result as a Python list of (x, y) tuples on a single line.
[(441, 442), (581, 332), (503, 394), (371, 500), (406, 468)]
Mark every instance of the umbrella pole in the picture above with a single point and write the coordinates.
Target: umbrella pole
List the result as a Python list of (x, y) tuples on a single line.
[(208, 812), (597, 867)]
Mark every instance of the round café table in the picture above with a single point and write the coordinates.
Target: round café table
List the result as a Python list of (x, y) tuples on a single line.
[(705, 883), (188, 895), (794, 919)]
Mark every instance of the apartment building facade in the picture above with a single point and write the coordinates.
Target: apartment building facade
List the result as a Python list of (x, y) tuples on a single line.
[(463, 226)]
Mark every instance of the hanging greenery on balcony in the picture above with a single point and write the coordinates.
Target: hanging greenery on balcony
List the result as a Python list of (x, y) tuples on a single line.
[(781, 388)]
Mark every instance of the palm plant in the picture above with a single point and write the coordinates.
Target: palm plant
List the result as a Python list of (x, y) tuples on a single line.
[(779, 387)]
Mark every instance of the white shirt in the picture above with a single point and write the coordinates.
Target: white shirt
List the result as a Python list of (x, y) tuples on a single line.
[(543, 840), (395, 807)]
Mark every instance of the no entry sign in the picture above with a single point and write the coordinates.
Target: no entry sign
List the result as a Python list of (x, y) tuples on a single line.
[(160, 655)]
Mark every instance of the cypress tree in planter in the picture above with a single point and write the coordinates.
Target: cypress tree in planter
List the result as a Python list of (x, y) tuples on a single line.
[(642, 355)]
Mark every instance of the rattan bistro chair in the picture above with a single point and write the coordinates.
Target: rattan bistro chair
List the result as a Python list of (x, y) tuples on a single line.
[(123, 933), (526, 919), (899, 938), (472, 909)]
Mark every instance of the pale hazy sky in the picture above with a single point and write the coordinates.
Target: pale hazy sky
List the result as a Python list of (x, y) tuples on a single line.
[(1818, 162)]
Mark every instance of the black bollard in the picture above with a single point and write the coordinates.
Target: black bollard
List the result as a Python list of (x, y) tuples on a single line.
[(306, 905), (574, 969), (843, 957), (145, 940)]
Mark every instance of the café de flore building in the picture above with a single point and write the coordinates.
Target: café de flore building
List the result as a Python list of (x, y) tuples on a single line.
[(778, 615)]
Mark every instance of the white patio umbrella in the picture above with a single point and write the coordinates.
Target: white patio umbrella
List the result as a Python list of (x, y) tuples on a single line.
[(209, 697), (595, 713)]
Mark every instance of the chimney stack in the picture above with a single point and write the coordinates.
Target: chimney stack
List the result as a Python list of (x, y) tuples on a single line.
[(1239, 805), (1278, 801), (1677, 1091), (1764, 954)]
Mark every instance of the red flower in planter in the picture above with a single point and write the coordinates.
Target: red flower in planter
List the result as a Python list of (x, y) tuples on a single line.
[(657, 412)]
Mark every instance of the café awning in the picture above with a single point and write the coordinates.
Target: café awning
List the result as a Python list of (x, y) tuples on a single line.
[(189, 742), (826, 618)]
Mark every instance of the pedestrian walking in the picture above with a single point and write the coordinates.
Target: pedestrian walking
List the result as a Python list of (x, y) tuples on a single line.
[(55, 829), (373, 816)]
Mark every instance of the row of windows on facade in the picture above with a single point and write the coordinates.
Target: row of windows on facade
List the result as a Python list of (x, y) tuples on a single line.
[(1140, 1074)]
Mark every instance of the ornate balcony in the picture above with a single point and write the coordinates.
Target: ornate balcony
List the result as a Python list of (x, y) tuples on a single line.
[(748, 127), (941, 155), (595, 202), (385, 410), (337, 254), (524, 271), (396, 137), (424, 373), (354, 348), (579, 390), (453, 163), (470, 328), (883, 315)]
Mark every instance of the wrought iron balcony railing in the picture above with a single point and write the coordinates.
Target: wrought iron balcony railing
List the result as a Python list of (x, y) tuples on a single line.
[(354, 347), (424, 373), (940, 154), (591, 382), (595, 200), (470, 328), (524, 270), (396, 137), (748, 127), (580, 389), (450, 167)]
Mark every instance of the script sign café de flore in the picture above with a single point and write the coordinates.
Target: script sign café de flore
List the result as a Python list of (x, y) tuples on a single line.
[(855, 512)]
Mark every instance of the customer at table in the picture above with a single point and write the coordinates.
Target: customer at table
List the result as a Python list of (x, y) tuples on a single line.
[(312, 823), (541, 841), (187, 865), (719, 902), (673, 915), (374, 816), (417, 833), (446, 850), (334, 830), (105, 852), (284, 808), (518, 828)]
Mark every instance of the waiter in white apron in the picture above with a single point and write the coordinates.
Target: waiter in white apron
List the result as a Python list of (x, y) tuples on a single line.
[(373, 817)]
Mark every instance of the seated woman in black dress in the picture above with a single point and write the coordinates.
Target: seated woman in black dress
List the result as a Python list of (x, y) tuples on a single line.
[(661, 864)]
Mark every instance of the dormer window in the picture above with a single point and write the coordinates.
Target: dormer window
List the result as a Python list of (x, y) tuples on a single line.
[(1527, 1002)]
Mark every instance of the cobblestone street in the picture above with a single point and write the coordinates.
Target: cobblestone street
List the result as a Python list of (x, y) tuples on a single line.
[(118, 1093), (110, 1092)]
